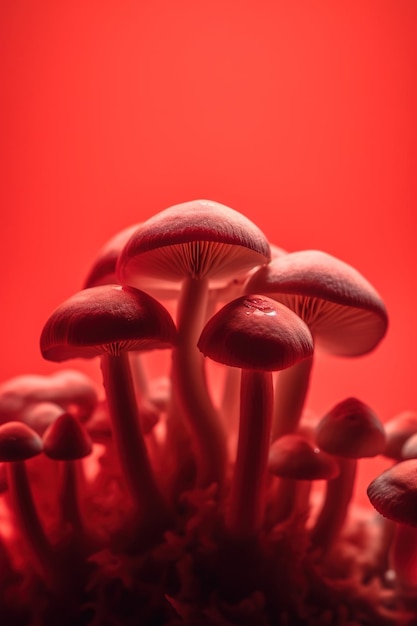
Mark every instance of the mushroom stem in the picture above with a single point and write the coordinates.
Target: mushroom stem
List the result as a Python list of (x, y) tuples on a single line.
[(291, 390), (27, 519), (69, 496), (334, 509), (189, 384), (403, 559), (138, 374), (247, 499), (129, 441)]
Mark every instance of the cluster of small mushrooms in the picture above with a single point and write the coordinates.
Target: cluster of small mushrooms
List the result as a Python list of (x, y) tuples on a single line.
[(193, 486)]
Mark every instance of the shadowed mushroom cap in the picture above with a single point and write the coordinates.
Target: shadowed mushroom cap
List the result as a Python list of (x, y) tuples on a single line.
[(18, 442), (107, 318), (66, 439), (255, 332), (394, 493), (194, 239), (293, 456), (352, 430), (344, 312)]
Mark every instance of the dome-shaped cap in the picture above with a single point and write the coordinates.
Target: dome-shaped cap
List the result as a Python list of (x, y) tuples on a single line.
[(409, 449), (194, 239), (18, 442), (107, 318), (255, 332), (66, 439), (352, 430), (343, 311), (103, 270), (398, 430), (293, 456), (394, 493)]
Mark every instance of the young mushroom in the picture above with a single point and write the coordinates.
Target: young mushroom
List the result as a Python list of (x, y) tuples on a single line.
[(394, 495), (108, 321), (345, 314), (195, 245), (259, 336), (349, 431)]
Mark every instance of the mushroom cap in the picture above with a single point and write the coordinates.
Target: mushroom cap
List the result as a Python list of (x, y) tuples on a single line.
[(194, 239), (66, 439), (68, 388), (394, 493), (41, 415), (293, 456), (255, 332), (107, 318), (343, 311), (409, 449), (103, 270), (351, 430), (398, 430), (18, 442)]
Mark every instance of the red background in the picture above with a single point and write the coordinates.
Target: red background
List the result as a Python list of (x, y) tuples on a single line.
[(299, 114)]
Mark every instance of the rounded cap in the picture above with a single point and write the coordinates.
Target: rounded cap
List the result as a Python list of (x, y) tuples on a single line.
[(398, 430), (107, 318), (409, 449), (293, 456), (343, 311), (66, 439), (255, 332), (352, 430), (103, 270), (394, 493), (18, 442), (41, 415), (194, 239)]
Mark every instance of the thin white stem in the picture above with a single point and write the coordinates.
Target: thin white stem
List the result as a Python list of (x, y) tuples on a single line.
[(190, 387), (247, 498), (291, 390), (129, 441)]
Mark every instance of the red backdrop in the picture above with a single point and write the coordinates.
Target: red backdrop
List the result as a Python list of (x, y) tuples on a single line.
[(299, 114)]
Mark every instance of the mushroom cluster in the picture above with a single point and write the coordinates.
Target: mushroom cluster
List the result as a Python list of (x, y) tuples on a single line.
[(194, 486)]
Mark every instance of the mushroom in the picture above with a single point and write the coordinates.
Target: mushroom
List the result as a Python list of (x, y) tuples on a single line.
[(394, 495), (297, 462), (194, 244), (109, 321), (398, 430), (349, 431), (18, 443), (345, 314), (259, 336)]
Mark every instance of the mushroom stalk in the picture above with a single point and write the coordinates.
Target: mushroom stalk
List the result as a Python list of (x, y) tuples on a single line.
[(247, 498), (28, 521), (189, 384), (291, 390), (403, 559), (129, 440), (334, 509), (69, 496)]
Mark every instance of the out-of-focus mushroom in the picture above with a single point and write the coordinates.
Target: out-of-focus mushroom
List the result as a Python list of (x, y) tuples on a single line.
[(108, 321), (194, 244), (345, 314), (259, 336), (394, 495), (349, 431), (398, 430)]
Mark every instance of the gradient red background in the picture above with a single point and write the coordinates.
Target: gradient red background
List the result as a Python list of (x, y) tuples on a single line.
[(299, 114)]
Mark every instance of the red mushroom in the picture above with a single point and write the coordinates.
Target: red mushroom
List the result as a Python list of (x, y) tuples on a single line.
[(194, 244), (259, 336), (345, 314), (109, 321)]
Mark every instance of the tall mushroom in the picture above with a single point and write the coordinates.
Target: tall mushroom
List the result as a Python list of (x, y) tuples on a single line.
[(109, 321), (345, 314), (259, 336), (194, 244)]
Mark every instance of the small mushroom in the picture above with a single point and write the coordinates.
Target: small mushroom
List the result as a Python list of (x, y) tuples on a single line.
[(349, 431), (108, 321), (259, 336)]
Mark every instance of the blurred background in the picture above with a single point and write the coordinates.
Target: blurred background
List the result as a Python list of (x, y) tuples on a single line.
[(301, 115)]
